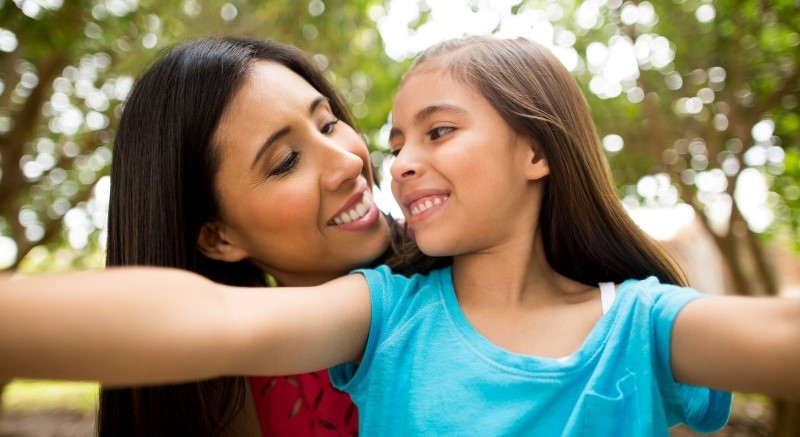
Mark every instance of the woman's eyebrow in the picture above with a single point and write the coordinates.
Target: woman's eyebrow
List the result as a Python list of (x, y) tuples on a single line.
[(426, 112), (283, 131)]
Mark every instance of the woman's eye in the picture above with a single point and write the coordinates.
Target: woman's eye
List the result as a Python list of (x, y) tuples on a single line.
[(286, 166), (396, 152), (327, 128), (438, 132)]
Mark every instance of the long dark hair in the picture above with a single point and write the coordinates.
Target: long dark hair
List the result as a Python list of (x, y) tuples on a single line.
[(587, 234), (162, 193)]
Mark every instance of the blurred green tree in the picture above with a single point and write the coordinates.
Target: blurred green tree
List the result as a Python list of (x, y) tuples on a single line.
[(66, 68), (710, 107), (717, 117)]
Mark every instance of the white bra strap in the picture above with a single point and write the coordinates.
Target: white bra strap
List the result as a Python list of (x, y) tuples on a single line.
[(608, 293)]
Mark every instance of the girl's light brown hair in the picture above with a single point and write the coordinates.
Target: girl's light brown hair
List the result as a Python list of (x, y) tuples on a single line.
[(587, 234)]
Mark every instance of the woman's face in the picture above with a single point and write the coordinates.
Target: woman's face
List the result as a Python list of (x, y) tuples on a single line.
[(294, 183)]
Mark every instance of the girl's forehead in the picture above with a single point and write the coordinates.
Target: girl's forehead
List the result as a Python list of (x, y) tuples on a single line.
[(423, 87)]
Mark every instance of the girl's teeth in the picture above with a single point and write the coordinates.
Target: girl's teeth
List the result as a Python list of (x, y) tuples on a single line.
[(422, 206)]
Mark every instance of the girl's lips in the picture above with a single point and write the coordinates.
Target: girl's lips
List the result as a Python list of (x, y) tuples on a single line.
[(421, 204), (425, 203), (425, 208)]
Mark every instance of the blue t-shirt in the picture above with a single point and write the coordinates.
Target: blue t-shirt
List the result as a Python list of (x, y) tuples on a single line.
[(426, 371)]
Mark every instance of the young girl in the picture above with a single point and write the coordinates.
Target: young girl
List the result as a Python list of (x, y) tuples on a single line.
[(558, 316)]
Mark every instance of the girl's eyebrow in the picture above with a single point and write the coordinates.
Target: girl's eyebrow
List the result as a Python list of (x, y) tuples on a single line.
[(424, 113), (284, 130)]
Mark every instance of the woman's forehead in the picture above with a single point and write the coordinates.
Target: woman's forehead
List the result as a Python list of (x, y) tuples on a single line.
[(269, 79), (270, 94)]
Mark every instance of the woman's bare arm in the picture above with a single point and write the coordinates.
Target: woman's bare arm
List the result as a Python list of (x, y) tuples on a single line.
[(739, 344), (131, 326)]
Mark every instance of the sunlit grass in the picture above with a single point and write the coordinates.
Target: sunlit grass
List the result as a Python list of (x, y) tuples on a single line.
[(30, 396)]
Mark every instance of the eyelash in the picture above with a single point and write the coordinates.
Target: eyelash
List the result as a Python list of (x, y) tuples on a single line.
[(287, 165), (438, 130), (329, 126), (434, 135), (293, 158)]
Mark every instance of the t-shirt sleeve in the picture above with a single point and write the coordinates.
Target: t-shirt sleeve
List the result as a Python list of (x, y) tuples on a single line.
[(349, 377), (701, 408)]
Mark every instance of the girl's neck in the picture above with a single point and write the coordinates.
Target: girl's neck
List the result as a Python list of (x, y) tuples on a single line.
[(514, 299), (517, 271)]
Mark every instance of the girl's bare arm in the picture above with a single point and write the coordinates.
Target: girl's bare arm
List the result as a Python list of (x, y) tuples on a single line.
[(132, 326), (739, 344)]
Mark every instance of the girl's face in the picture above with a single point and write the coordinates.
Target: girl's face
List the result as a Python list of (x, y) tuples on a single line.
[(463, 178), (294, 183)]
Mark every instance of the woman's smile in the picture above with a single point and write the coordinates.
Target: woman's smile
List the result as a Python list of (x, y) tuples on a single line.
[(358, 213)]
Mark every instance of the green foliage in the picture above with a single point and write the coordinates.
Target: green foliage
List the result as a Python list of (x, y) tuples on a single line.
[(738, 68), (28, 396)]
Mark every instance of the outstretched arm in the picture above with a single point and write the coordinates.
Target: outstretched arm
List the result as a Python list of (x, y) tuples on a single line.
[(131, 326), (739, 344)]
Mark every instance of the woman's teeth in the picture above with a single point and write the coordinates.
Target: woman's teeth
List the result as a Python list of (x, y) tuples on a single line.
[(422, 205), (356, 213)]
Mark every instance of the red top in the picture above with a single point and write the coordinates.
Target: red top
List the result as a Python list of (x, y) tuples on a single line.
[(303, 405)]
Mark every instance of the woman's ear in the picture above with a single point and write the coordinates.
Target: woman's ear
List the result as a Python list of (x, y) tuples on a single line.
[(212, 243)]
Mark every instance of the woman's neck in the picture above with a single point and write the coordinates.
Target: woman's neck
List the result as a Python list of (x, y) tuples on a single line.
[(306, 279)]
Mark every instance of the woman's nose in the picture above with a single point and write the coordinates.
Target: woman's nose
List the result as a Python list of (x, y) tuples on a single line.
[(343, 164)]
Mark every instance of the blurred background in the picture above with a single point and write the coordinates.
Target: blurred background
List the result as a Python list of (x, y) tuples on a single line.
[(696, 102)]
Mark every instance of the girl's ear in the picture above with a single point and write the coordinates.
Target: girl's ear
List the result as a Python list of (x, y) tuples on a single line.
[(212, 243), (537, 167)]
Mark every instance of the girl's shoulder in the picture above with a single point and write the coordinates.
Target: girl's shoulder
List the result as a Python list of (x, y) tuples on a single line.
[(651, 297), (383, 275), (651, 288)]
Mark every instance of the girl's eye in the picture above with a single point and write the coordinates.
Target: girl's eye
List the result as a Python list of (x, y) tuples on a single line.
[(396, 152), (286, 166), (439, 132), (327, 128)]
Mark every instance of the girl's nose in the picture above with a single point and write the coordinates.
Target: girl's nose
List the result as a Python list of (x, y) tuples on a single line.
[(342, 164), (406, 165)]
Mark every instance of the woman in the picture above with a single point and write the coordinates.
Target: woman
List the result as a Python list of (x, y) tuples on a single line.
[(231, 160)]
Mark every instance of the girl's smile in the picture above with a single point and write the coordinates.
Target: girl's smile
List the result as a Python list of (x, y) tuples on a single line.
[(423, 203)]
